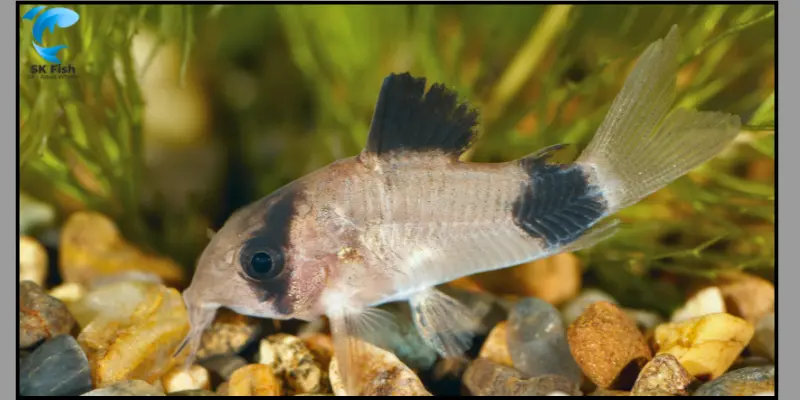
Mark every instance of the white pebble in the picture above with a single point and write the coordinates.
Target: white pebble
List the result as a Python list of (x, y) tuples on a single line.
[(705, 302)]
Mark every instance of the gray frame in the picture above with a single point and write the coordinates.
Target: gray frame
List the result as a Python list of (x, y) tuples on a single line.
[(787, 99)]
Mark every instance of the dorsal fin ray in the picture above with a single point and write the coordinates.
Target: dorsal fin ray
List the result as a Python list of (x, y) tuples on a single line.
[(407, 119)]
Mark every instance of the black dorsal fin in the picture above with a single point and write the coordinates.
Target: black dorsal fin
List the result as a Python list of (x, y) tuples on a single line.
[(408, 119)]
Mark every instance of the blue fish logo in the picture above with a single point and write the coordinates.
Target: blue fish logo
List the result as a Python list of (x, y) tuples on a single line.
[(63, 17)]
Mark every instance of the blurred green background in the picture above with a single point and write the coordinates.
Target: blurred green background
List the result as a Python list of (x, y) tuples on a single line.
[(183, 113)]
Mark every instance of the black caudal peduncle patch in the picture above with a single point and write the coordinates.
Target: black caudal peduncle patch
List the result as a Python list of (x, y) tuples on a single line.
[(273, 239), (558, 204), (407, 118)]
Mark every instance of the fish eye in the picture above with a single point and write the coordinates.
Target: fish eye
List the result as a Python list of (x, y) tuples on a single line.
[(263, 265)]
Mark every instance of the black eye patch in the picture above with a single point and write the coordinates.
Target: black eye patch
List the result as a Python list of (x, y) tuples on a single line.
[(263, 257)]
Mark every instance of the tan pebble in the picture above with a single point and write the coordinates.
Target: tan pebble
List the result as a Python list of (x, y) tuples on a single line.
[(381, 374), (91, 248), (179, 379), (321, 346), (127, 388), (32, 261), (747, 296), (228, 334), (113, 301), (447, 368), (663, 374), (607, 392), (159, 385), (138, 345), (705, 346), (652, 393), (41, 316), (495, 347), (554, 279), (254, 380), (763, 342), (222, 389), (194, 393), (605, 342), (577, 306), (126, 276), (466, 283), (290, 359), (68, 292), (706, 301), (486, 378)]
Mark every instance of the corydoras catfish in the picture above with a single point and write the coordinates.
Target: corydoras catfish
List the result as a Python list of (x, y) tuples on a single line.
[(406, 214)]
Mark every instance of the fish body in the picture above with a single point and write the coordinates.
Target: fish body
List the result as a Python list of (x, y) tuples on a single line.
[(422, 222), (406, 215)]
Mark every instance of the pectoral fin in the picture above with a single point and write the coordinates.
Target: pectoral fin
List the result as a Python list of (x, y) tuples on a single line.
[(446, 325), (351, 329)]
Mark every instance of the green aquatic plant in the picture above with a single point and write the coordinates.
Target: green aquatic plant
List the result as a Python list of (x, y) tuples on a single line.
[(81, 139)]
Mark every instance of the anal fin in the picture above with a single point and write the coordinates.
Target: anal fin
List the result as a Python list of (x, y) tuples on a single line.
[(443, 322), (594, 235)]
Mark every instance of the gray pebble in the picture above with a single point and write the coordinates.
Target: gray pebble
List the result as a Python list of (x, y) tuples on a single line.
[(537, 341), (741, 382), (645, 320), (58, 367), (41, 316), (22, 355), (751, 361), (486, 378), (405, 341), (127, 388)]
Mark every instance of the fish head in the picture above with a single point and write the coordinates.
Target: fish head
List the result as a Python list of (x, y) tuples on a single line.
[(264, 262)]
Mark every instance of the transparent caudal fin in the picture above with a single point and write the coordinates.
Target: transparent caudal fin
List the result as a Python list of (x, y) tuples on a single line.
[(641, 146)]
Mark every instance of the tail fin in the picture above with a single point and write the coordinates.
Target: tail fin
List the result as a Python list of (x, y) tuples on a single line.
[(639, 149)]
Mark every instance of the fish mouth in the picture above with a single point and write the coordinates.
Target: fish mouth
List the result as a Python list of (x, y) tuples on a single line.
[(262, 314)]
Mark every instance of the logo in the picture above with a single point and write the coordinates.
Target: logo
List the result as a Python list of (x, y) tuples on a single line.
[(62, 17)]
